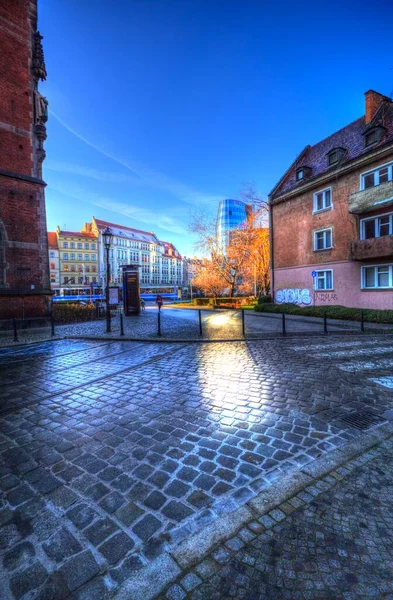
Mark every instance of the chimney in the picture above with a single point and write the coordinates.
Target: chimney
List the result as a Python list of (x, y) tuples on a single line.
[(373, 102)]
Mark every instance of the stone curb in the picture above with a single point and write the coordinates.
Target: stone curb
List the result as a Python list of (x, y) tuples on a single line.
[(290, 337), (308, 481)]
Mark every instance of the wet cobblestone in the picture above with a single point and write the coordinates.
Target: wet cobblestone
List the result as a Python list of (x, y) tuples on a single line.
[(107, 460), (338, 546)]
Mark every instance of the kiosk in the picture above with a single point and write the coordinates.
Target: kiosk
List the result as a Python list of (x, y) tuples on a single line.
[(131, 293)]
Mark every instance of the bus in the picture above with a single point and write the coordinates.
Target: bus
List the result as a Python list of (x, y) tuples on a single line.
[(167, 292), (79, 293), (87, 293)]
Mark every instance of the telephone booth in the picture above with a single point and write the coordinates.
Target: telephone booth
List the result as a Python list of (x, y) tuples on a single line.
[(131, 292)]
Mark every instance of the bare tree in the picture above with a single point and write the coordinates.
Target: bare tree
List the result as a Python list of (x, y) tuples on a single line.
[(245, 261)]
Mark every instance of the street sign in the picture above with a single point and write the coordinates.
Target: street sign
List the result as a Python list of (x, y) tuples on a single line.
[(314, 274)]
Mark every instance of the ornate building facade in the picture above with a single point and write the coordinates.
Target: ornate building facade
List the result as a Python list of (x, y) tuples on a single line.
[(160, 262), (24, 265)]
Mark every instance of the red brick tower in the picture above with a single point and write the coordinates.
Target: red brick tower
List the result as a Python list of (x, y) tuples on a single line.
[(24, 268)]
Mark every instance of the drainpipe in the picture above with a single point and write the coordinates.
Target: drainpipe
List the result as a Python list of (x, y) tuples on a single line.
[(271, 236)]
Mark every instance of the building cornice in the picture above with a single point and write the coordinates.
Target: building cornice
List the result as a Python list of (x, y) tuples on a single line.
[(325, 178), (25, 178)]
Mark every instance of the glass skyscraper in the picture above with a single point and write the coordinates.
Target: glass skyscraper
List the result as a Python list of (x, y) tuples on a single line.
[(232, 214)]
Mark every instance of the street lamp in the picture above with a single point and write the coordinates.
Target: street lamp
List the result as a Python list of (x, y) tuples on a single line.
[(107, 236)]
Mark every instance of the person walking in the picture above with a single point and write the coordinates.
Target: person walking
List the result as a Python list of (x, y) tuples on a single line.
[(159, 301), (143, 304)]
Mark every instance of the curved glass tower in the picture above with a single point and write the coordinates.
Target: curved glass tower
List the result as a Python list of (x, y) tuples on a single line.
[(231, 215)]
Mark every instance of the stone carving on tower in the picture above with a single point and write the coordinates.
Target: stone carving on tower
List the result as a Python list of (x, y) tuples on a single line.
[(38, 62), (40, 102)]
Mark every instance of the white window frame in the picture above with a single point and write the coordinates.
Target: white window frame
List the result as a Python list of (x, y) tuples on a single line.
[(65, 255), (376, 287), (376, 170), (324, 231), (375, 218), (326, 289), (319, 210)]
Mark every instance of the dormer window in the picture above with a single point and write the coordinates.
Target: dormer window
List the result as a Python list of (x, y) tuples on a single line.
[(335, 156), (302, 173), (372, 136)]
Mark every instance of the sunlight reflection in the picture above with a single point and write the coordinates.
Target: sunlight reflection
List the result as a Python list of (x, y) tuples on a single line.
[(218, 320)]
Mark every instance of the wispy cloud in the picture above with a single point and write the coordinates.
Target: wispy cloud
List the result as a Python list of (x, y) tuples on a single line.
[(141, 174), (164, 220)]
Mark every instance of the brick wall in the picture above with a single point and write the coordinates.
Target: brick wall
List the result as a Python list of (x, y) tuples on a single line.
[(294, 223), (22, 201)]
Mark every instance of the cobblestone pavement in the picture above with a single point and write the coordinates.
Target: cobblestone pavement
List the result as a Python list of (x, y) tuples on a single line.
[(111, 451), (184, 324), (331, 541)]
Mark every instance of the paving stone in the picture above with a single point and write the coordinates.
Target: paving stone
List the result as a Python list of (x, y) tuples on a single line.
[(116, 547), (190, 582), (100, 530), (8, 482), (110, 473), (47, 484), (45, 524), (62, 497), (146, 527), (20, 494), (122, 483), (112, 502), (61, 545), (177, 488), (97, 491), (139, 491), (18, 556), (82, 515), (187, 474), (176, 511), (96, 589), (155, 500), (199, 499), (128, 567), (175, 592), (79, 570), (221, 488), (129, 513), (27, 580), (205, 482)]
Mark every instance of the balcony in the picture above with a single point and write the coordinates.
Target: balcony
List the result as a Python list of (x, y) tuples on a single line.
[(375, 197), (380, 247)]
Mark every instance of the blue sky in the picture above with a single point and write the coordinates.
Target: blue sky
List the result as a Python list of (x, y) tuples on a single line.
[(159, 107)]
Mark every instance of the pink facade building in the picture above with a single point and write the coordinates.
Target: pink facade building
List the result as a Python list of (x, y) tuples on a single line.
[(331, 217)]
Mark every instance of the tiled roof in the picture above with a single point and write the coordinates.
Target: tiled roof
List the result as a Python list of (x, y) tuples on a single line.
[(52, 239), (169, 246), (77, 234), (350, 138), (147, 236)]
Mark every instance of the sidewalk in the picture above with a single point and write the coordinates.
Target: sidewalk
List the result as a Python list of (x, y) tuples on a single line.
[(332, 540)]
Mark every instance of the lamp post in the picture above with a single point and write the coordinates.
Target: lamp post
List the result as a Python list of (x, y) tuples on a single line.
[(107, 236)]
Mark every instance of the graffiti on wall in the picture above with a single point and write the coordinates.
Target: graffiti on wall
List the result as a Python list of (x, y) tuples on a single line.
[(326, 297), (294, 296)]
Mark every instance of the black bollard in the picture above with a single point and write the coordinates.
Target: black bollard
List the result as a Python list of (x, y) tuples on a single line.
[(243, 324), (325, 329), (200, 322), (52, 324), (121, 324), (159, 323), (284, 330), (15, 330), (362, 321)]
